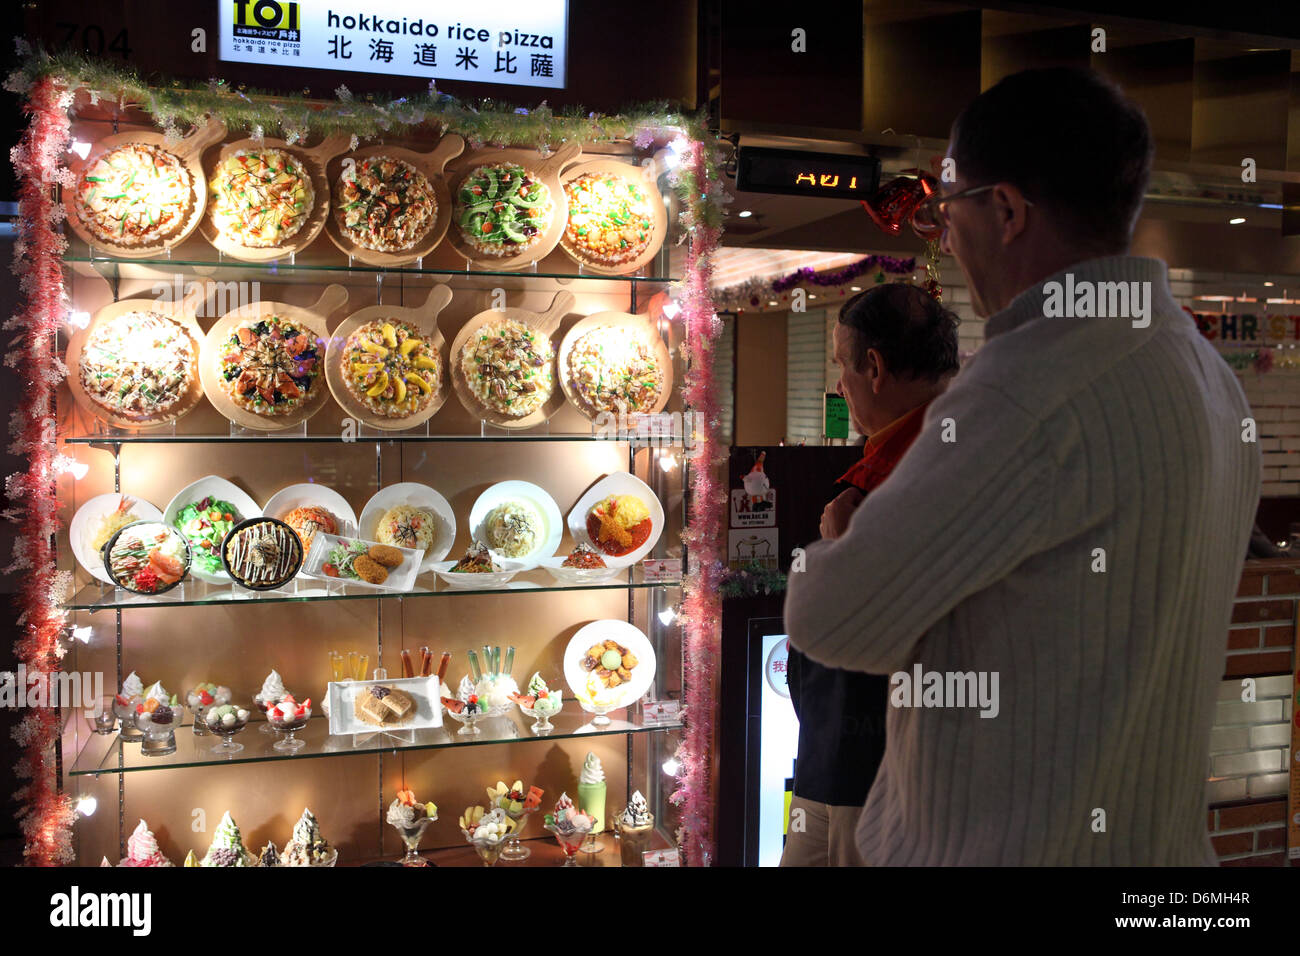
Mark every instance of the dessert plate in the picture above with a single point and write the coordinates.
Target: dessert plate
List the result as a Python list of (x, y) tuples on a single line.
[(212, 486), (549, 535), (400, 578), (624, 695), (86, 521), (419, 496), (618, 483), (423, 692)]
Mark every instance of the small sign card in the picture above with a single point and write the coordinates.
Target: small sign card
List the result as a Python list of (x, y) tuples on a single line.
[(662, 569), (661, 858), (661, 711)]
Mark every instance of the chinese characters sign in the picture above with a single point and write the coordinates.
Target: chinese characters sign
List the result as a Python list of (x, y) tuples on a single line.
[(511, 42)]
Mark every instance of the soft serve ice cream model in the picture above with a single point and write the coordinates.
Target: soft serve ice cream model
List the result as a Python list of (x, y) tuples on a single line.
[(591, 791)]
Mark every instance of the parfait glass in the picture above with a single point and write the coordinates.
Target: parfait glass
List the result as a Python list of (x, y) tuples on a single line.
[(129, 732), (570, 842), (227, 747), (489, 853), (411, 837), (289, 743), (515, 850), (100, 716), (262, 707), (541, 723)]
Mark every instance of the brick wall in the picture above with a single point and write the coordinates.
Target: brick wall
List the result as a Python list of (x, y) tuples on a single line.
[(1250, 745)]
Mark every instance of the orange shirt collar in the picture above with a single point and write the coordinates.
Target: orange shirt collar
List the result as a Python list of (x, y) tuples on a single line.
[(882, 436)]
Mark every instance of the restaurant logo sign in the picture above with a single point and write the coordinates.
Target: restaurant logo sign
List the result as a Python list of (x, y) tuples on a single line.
[(514, 43)]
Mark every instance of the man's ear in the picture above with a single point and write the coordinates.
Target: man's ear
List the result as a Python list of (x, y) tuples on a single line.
[(1012, 211), (875, 370)]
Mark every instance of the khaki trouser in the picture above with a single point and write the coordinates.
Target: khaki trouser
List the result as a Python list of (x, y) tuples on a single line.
[(823, 835)]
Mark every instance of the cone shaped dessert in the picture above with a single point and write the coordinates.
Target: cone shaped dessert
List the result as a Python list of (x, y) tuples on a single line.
[(142, 849), (227, 847), (636, 827)]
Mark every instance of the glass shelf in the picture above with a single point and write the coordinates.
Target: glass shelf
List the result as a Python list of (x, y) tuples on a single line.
[(168, 438), (107, 754), (103, 597), (545, 853)]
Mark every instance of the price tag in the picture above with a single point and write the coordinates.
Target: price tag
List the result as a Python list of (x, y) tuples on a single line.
[(661, 858), (661, 711), (662, 569)]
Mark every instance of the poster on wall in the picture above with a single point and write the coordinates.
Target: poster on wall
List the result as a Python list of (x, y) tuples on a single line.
[(514, 43), (753, 505)]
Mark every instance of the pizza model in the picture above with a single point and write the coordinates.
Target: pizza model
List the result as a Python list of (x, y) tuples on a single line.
[(390, 368), (384, 204), (503, 209), (134, 196), (610, 219), (269, 366), (139, 366), (509, 367), (261, 198)]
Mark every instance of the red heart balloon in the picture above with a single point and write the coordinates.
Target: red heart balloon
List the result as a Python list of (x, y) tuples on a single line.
[(893, 203)]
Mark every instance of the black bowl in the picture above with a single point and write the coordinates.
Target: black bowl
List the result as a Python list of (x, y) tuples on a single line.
[(108, 550), (291, 536)]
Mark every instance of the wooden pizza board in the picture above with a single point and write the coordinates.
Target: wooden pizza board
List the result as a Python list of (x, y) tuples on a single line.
[(314, 161), (544, 323), (314, 318), (189, 151), (545, 170), (423, 317), (643, 176), (183, 313), (431, 165), (599, 320)]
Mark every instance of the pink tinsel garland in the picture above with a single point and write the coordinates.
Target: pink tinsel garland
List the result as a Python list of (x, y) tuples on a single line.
[(701, 605), (46, 815)]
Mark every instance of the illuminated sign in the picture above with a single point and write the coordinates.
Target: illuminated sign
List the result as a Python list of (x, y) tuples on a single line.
[(794, 173), (512, 42)]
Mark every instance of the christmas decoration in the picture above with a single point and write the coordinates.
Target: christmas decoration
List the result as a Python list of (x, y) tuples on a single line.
[(752, 580), (893, 203), (757, 292)]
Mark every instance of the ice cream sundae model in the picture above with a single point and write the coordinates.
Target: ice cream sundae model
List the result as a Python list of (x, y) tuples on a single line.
[(288, 717), (190, 859), (142, 849), (570, 827), (540, 703), (128, 696), (486, 831), (518, 806), (157, 716), (591, 797), (636, 827), (484, 692), (226, 720), (269, 856), (307, 847), (272, 693), (227, 847), (411, 818), (203, 696), (609, 665)]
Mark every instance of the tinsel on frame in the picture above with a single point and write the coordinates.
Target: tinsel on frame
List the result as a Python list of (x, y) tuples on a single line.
[(47, 83)]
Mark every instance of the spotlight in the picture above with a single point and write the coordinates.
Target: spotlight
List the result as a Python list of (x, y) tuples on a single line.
[(667, 461), (671, 766), (1236, 222), (83, 633), (671, 309), (70, 466), (86, 805), (78, 320), (667, 616), (81, 148), (745, 213)]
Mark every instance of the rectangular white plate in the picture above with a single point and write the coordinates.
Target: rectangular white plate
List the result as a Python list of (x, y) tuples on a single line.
[(423, 690), (400, 578)]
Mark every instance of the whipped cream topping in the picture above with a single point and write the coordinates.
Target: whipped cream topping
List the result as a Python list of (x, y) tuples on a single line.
[(132, 686), (592, 772), (637, 814), (272, 688)]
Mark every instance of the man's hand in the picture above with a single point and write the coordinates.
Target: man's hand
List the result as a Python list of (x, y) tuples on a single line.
[(836, 515)]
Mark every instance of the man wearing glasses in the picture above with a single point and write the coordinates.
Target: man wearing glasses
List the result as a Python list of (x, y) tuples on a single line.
[(1071, 520)]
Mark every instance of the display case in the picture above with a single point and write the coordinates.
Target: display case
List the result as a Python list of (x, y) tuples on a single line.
[(217, 631)]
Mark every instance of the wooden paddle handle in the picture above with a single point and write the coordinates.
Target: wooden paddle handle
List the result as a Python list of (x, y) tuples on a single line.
[(213, 131), (448, 148), (566, 155), (439, 298), (330, 147), (560, 306), (333, 298)]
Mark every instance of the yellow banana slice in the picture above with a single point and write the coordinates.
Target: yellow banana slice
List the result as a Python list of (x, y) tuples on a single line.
[(409, 345), (379, 386), (399, 389), (361, 369), (377, 350), (418, 382), (390, 335), (425, 361)]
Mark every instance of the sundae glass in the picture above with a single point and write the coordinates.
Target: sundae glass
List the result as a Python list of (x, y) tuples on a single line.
[(411, 818), (486, 832), (540, 703), (518, 807), (289, 717), (202, 697), (129, 695), (158, 724), (272, 693), (226, 721), (570, 827), (102, 717)]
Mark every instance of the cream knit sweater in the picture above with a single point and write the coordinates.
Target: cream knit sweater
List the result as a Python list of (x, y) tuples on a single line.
[(981, 554)]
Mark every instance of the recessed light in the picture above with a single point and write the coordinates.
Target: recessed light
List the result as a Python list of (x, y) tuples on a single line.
[(855, 288), (812, 296), (1268, 283), (1236, 222), (745, 213), (771, 301)]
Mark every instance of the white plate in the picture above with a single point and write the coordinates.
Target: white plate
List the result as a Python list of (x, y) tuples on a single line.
[(482, 579), (618, 483), (216, 487), (419, 496), (307, 495), (88, 517), (629, 636), (400, 578), (342, 696), (577, 575), (503, 491)]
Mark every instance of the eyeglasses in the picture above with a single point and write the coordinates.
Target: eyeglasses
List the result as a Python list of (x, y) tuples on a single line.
[(932, 214)]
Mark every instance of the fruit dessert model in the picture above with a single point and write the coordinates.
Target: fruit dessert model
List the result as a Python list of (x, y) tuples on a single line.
[(139, 366), (269, 856), (134, 196), (591, 791), (610, 219), (383, 706), (510, 367), (584, 556), (384, 204), (205, 524), (272, 693), (615, 369), (502, 210), (157, 716), (260, 198), (362, 561), (227, 847), (308, 520), (270, 366), (203, 696), (411, 818), (477, 560), (540, 703), (636, 826), (493, 683), (288, 716), (569, 826), (391, 370), (263, 554), (518, 806), (142, 849), (307, 847), (147, 558), (226, 719), (486, 831), (619, 524), (128, 696)]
